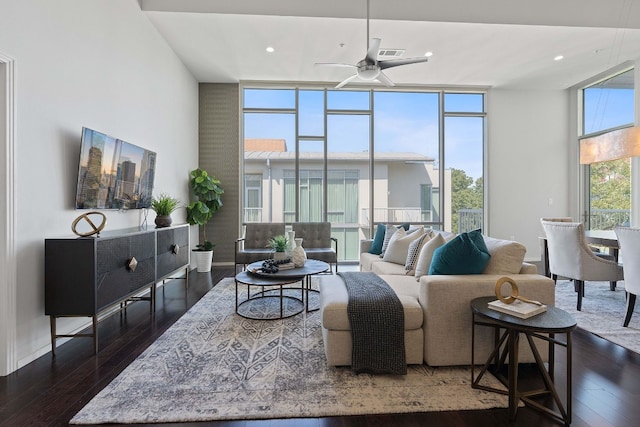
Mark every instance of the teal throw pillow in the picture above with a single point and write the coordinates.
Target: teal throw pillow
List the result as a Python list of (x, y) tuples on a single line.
[(378, 240), (460, 256), (478, 240)]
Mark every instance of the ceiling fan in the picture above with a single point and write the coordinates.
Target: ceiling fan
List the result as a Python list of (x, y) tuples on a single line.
[(369, 68)]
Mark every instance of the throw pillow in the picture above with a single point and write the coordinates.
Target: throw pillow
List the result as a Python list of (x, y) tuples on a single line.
[(477, 238), (388, 234), (413, 252), (426, 254), (378, 239), (406, 226), (459, 256), (399, 246), (507, 256)]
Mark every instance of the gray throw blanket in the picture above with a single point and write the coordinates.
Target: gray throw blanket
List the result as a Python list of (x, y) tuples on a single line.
[(377, 325)]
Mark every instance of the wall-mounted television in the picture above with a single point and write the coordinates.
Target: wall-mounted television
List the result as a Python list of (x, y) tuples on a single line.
[(113, 173)]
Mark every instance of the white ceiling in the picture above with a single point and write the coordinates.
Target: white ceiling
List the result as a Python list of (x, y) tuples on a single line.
[(495, 43)]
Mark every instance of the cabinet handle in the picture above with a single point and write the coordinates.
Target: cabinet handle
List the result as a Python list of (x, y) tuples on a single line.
[(132, 264), (175, 249)]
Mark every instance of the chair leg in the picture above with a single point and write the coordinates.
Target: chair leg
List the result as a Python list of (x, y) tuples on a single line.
[(554, 277), (631, 303), (612, 286), (580, 285)]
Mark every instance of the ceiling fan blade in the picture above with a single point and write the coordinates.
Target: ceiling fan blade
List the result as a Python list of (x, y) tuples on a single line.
[(334, 64), (396, 62), (382, 78), (372, 53), (345, 81)]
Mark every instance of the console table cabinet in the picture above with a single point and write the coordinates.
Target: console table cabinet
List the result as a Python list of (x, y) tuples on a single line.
[(86, 276)]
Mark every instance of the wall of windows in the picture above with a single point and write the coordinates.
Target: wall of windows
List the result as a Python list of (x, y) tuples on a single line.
[(357, 158)]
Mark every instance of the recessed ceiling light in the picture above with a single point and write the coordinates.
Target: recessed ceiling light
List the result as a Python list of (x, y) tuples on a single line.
[(270, 49), (428, 54), (558, 58)]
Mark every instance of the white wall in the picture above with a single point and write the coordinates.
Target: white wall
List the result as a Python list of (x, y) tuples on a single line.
[(528, 171), (99, 64)]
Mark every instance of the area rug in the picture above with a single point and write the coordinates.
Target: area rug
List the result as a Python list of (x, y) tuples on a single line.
[(602, 312), (213, 365)]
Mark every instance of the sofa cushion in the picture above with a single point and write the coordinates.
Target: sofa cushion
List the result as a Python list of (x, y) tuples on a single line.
[(506, 256), (383, 267), (459, 256), (367, 260), (399, 245), (426, 254), (334, 299), (414, 251), (378, 240)]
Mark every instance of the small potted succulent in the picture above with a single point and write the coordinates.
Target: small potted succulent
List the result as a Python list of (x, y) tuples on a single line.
[(207, 191), (279, 244), (164, 205)]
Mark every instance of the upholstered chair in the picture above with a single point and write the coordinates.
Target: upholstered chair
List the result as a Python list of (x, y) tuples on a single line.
[(317, 241), (254, 245), (629, 242), (571, 257)]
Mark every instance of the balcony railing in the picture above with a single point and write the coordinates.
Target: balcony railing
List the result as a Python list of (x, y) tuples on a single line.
[(395, 216), (606, 219), (252, 215), (469, 219)]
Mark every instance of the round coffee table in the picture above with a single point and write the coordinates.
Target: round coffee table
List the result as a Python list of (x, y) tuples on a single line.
[(303, 274), (274, 284)]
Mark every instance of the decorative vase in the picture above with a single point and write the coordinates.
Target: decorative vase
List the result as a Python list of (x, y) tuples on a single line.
[(298, 255), (163, 220), (291, 235)]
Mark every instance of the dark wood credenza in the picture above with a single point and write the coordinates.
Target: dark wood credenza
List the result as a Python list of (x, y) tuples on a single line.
[(87, 276)]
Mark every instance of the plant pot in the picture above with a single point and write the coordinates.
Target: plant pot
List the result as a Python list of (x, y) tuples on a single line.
[(279, 256), (203, 261), (163, 220)]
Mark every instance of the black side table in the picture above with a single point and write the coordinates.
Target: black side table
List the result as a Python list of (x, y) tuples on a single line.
[(543, 326)]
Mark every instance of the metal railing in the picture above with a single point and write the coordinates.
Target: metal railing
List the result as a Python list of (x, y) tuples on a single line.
[(469, 219), (395, 215), (606, 219), (252, 215)]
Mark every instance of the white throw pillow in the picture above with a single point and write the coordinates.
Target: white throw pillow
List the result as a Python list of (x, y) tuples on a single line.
[(388, 234), (506, 256), (426, 253), (399, 245), (414, 251)]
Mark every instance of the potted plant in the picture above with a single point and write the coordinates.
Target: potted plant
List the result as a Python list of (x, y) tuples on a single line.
[(164, 205), (279, 244), (206, 188)]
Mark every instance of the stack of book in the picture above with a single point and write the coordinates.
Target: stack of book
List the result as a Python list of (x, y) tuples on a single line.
[(287, 266), (520, 309)]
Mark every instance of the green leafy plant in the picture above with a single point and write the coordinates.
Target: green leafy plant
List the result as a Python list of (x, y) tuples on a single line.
[(164, 204), (206, 188), (278, 243)]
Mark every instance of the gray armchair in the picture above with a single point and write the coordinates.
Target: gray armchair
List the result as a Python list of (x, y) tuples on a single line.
[(317, 241), (253, 246), (571, 257)]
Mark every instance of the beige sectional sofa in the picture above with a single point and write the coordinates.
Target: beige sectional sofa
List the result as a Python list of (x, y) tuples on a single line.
[(437, 307)]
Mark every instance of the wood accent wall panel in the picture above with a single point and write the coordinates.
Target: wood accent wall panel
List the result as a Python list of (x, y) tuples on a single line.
[(219, 154)]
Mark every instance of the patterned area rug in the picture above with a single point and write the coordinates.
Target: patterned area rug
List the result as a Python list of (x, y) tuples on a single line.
[(602, 312), (213, 364)]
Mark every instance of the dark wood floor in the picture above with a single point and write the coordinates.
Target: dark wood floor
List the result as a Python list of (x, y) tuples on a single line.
[(48, 392)]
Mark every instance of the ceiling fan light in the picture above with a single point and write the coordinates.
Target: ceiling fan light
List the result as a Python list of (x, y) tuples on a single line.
[(368, 72)]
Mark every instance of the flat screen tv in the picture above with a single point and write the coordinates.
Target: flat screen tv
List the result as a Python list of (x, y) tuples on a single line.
[(113, 174)]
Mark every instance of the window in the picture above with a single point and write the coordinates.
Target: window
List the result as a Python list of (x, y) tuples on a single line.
[(357, 158), (607, 105)]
